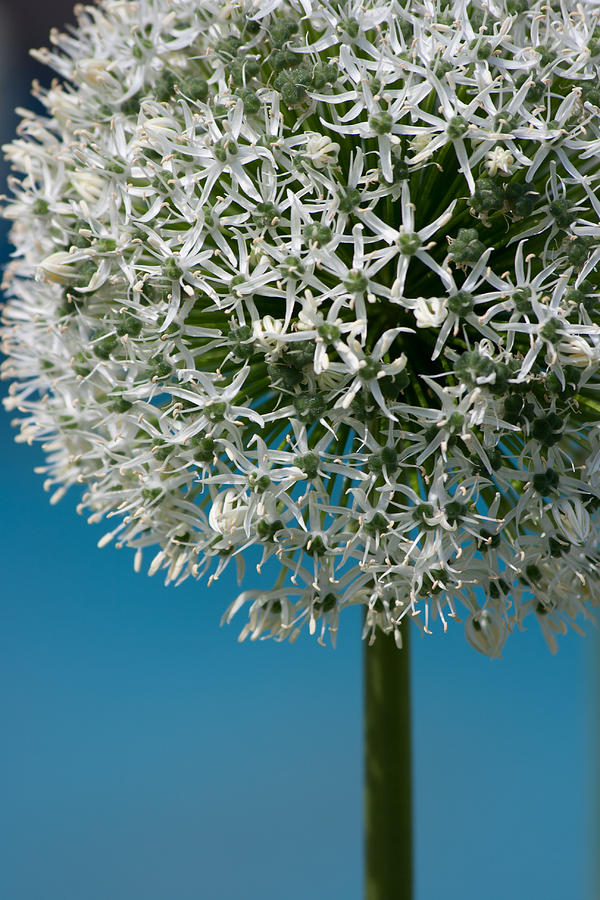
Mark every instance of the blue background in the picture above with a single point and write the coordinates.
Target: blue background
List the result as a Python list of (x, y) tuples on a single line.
[(146, 754)]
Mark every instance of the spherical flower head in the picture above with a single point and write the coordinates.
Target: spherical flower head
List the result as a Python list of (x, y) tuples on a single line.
[(322, 280)]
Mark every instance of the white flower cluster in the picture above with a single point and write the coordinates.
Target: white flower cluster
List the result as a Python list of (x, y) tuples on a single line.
[(319, 277)]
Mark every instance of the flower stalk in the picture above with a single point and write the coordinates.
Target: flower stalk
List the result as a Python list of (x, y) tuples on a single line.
[(388, 780)]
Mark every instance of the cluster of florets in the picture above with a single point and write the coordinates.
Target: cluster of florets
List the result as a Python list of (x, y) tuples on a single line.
[(320, 278)]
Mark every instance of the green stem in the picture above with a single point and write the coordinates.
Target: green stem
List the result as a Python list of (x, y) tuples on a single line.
[(388, 787)]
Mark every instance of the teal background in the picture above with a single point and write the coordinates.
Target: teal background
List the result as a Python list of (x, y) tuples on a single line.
[(146, 754)]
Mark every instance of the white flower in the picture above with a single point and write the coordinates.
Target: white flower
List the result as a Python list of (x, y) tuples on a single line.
[(317, 283), (61, 266), (576, 350), (430, 312), (321, 150), (226, 513), (94, 71), (88, 185), (419, 143), (486, 631), (266, 332), (500, 159)]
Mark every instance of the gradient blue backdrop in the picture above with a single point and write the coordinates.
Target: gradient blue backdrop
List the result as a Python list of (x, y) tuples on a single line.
[(146, 754)]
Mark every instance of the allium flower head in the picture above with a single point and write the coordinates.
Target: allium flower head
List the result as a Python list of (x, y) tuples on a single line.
[(321, 279)]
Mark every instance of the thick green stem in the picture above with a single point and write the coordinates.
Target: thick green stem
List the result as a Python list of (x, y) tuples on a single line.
[(388, 807)]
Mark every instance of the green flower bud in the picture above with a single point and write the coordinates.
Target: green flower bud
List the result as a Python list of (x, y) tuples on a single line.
[(309, 464), (171, 270), (461, 303), (317, 234), (349, 199), (216, 411), (466, 248), (409, 243), (422, 512), (563, 214), (370, 369), (387, 459), (356, 282), (546, 483), (309, 409), (488, 196), (128, 324), (204, 449), (376, 525), (457, 128), (455, 511), (292, 267), (267, 530), (381, 123), (329, 333), (259, 483), (266, 215)]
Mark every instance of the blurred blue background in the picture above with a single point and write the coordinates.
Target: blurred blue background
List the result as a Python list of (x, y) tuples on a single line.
[(146, 754)]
